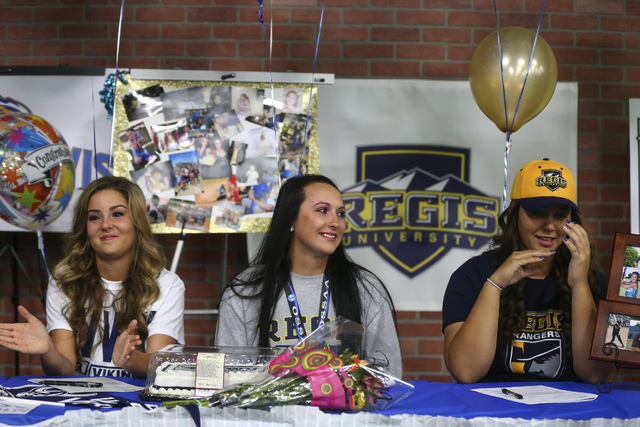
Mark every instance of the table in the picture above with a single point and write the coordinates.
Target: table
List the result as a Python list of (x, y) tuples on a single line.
[(446, 404)]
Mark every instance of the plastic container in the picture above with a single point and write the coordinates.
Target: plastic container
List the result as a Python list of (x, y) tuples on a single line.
[(179, 371)]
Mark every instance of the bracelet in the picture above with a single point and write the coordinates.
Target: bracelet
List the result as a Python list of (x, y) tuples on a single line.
[(500, 288)]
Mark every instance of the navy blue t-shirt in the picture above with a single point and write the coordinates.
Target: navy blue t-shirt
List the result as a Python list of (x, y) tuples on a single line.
[(537, 351)]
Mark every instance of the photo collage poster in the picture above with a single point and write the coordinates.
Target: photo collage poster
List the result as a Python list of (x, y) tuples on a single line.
[(208, 155)]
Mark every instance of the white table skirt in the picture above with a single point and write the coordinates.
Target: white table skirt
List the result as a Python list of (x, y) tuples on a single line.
[(292, 416)]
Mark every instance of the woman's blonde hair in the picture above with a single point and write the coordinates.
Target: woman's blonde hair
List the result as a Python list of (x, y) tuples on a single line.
[(77, 273)]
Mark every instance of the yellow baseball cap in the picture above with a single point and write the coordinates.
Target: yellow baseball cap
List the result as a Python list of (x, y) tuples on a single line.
[(542, 183)]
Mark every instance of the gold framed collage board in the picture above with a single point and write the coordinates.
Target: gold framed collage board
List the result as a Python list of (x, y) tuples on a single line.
[(248, 223)]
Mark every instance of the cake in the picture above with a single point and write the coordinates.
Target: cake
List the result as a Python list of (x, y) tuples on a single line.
[(180, 371), (179, 379)]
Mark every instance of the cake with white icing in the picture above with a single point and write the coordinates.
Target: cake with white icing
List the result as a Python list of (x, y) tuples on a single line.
[(180, 371), (179, 379)]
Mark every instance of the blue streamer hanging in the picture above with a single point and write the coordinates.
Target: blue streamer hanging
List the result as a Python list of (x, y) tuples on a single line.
[(108, 94)]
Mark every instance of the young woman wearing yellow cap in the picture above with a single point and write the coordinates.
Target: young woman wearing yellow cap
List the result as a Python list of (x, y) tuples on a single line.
[(526, 308)]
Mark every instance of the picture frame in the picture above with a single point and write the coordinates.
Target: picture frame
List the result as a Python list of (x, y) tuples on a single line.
[(618, 325), (624, 276), (634, 161)]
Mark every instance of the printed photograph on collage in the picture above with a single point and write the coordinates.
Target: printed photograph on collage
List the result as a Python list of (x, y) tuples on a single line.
[(186, 172), (143, 103), (185, 214), (139, 146), (176, 102), (171, 136)]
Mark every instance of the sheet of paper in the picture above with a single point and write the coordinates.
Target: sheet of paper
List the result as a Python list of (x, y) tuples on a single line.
[(81, 384), (535, 394)]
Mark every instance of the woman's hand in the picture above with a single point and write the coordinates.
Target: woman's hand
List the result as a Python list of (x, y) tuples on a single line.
[(125, 345), (29, 338), (577, 241), (519, 265)]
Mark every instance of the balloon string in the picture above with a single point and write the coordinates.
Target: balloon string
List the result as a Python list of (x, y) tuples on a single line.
[(93, 105), (504, 97), (269, 48), (506, 163), (535, 41), (315, 58), (41, 248), (506, 117), (117, 74), (504, 93), (313, 74)]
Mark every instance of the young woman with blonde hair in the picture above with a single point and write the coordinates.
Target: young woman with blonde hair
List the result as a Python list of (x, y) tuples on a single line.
[(110, 303)]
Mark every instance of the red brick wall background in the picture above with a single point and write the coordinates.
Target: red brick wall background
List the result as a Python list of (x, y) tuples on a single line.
[(596, 43)]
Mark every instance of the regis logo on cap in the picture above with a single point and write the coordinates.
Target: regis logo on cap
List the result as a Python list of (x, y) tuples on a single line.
[(552, 179)]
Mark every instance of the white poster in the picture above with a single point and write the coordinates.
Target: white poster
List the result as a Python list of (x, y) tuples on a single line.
[(71, 104), (421, 170), (634, 141)]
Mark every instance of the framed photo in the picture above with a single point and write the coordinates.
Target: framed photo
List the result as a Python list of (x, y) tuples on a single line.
[(617, 326), (624, 277), (634, 161)]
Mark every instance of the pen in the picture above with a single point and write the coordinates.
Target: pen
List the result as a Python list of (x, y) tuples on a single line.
[(511, 393), (70, 383)]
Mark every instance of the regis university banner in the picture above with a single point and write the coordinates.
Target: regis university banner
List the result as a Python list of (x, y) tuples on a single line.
[(421, 170)]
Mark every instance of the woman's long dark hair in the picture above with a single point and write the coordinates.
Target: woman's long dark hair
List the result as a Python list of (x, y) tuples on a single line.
[(512, 299), (270, 269)]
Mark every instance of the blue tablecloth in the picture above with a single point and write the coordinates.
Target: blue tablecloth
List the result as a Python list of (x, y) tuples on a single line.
[(453, 400), (44, 412), (457, 400)]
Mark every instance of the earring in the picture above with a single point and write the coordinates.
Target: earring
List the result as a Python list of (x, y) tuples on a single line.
[(291, 228)]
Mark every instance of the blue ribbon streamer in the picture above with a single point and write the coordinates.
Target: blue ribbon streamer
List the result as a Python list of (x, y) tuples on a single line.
[(504, 96), (261, 18), (108, 94)]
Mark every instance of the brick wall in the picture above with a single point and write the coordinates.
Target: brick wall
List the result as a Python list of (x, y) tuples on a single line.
[(596, 43)]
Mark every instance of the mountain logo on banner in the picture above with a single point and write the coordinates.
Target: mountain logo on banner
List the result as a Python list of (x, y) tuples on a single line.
[(413, 203)]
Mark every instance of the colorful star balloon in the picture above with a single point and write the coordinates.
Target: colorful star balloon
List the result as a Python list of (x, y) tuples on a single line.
[(37, 173)]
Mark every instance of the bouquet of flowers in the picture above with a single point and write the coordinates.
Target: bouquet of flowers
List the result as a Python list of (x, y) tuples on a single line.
[(320, 370)]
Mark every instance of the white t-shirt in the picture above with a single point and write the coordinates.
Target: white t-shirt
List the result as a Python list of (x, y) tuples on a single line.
[(252, 177), (168, 311)]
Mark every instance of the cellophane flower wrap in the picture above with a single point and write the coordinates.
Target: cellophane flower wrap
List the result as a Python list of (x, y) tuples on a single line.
[(321, 370)]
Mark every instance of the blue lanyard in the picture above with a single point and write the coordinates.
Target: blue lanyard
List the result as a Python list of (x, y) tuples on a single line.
[(323, 309)]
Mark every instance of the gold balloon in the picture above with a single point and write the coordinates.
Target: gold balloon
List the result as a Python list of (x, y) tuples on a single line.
[(486, 81)]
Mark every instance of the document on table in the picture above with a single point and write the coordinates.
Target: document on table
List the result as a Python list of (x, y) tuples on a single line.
[(535, 394), (87, 384)]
